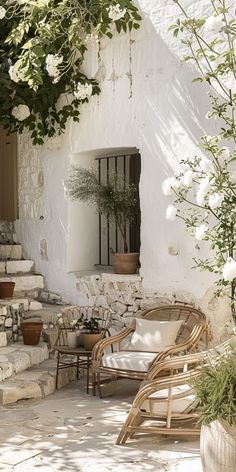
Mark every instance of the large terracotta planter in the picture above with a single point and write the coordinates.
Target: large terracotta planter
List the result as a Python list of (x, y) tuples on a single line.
[(31, 331), (6, 289), (90, 339), (125, 263), (218, 447)]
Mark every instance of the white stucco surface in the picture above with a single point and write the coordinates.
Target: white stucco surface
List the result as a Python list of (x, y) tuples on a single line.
[(147, 102)]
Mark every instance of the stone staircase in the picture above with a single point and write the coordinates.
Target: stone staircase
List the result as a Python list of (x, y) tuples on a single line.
[(25, 371)]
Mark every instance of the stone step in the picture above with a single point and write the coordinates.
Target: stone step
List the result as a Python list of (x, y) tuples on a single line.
[(25, 283), (36, 382), (16, 266), (10, 251), (18, 357)]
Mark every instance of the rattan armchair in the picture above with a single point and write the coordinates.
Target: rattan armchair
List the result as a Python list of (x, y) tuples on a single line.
[(167, 405), (193, 330)]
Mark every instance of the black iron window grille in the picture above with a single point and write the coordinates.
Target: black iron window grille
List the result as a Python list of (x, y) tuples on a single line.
[(109, 239)]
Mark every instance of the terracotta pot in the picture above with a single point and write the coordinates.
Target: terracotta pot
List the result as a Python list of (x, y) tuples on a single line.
[(6, 289), (90, 339), (31, 331), (125, 263), (218, 447)]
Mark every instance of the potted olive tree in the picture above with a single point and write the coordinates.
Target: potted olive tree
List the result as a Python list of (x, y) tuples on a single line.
[(114, 198)]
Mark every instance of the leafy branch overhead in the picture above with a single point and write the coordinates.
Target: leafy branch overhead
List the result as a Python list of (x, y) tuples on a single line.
[(204, 185), (42, 47)]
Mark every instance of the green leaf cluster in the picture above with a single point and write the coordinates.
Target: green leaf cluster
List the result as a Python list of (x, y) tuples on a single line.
[(216, 390), (30, 32)]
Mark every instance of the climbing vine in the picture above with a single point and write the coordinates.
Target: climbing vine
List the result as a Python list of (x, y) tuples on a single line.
[(42, 48)]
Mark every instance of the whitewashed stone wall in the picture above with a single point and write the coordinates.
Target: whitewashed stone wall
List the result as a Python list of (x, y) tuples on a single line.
[(30, 179), (147, 102)]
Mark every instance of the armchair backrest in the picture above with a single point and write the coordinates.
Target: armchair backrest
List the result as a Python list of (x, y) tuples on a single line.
[(191, 317)]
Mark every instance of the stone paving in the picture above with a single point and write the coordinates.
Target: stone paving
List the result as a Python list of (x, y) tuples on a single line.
[(72, 431)]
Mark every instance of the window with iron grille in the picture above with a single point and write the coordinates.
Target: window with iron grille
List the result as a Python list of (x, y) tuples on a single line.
[(109, 239)]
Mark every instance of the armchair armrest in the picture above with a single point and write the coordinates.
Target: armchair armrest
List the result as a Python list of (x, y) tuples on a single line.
[(99, 348), (188, 345)]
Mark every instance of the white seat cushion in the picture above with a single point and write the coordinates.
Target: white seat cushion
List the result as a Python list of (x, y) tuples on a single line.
[(154, 336), (178, 405), (129, 360)]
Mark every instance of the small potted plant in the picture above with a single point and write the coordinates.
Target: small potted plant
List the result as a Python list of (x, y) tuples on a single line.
[(71, 329), (114, 198), (216, 392), (92, 333)]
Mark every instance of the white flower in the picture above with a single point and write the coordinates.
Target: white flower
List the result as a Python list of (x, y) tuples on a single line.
[(214, 24), (171, 213), (21, 112), (204, 185), (2, 13), (229, 270), (54, 60), (200, 198), (115, 12), (202, 191), (215, 200), (205, 165), (73, 323), (187, 178), (83, 91), (223, 155), (200, 232), (169, 184), (52, 63), (15, 73)]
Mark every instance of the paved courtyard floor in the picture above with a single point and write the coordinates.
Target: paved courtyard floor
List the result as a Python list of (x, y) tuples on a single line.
[(72, 431)]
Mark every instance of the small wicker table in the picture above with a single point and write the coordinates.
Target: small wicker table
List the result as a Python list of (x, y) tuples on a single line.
[(83, 360)]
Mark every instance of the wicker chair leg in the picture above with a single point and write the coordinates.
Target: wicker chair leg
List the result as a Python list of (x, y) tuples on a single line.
[(94, 383), (99, 385), (134, 419)]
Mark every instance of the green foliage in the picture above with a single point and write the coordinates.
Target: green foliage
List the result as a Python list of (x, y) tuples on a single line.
[(114, 198), (205, 186), (92, 325), (33, 30), (216, 390)]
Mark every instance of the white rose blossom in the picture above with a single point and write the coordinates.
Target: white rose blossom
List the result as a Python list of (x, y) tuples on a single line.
[(115, 12), (214, 24), (83, 91), (187, 178), (229, 270), (52, 63), (200, 232), (169, 184), (21, 112), (171, 212), (2, 13), (15, 72), (215, 200), (206, 165)]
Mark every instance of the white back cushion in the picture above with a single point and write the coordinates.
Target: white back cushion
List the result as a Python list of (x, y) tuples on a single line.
[(154, 336)]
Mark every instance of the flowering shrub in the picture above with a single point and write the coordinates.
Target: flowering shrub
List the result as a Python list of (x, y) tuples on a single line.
[(42, 45), (204, 186)]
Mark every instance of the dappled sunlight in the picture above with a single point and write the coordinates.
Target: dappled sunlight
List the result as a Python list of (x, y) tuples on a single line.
[(73, 431)]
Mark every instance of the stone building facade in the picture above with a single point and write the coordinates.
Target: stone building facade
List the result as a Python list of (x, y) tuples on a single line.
[(148, 103)]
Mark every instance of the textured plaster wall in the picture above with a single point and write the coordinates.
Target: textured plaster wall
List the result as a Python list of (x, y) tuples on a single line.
[(148, 102)]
